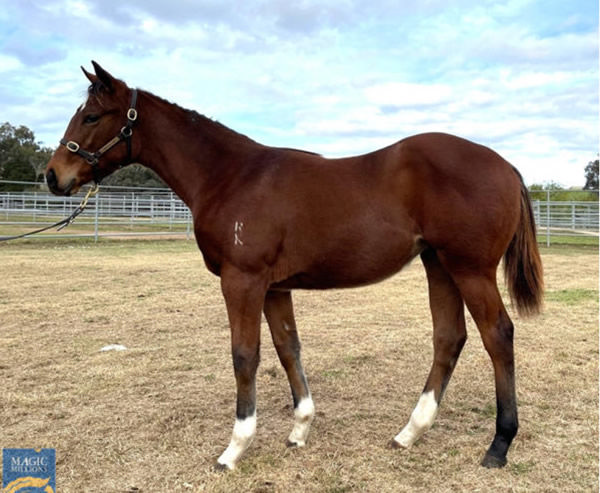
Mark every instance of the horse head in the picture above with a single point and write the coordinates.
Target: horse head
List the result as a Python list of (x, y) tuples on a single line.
[(89, 149)]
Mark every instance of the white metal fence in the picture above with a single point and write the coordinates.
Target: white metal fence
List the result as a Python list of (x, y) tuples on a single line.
[(559, 221), (118, 211)]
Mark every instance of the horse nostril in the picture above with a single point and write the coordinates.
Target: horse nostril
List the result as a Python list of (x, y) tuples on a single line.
[(51, 179)]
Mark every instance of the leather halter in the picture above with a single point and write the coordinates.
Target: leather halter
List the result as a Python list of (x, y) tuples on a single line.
[(124, 135)]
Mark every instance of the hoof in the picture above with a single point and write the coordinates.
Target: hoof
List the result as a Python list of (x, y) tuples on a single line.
[(396, 445), (393, 444), (221, 467), (290, 444), (492, 462)]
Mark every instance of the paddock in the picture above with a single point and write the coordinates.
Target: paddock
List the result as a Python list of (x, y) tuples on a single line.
[(156, 416)]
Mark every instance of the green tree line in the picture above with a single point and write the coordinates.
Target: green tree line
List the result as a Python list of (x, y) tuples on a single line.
[(21, 157)]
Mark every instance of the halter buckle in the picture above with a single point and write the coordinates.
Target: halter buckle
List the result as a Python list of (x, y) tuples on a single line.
[(132, 114), (72, 146), (126, 132)]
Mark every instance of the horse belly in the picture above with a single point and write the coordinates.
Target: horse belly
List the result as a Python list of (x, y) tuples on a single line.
[(356, 261)]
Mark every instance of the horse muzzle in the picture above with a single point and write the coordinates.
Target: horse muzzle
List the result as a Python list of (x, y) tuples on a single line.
[(55, 186)]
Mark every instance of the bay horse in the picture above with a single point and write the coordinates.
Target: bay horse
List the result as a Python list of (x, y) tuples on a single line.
[(270, 220)]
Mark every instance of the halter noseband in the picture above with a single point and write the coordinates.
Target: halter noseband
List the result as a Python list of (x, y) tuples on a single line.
[(92, 158)]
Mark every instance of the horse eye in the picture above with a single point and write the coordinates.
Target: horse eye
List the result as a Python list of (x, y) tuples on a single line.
[(91, 119)]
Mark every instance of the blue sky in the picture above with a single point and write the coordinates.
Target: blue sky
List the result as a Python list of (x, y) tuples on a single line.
[(337, 77)]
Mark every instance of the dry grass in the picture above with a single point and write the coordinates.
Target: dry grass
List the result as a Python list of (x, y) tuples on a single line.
[(154, 418)]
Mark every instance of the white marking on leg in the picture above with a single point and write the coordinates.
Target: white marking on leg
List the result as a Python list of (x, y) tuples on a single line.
[(244, 431), (420, 421), (304, 415)]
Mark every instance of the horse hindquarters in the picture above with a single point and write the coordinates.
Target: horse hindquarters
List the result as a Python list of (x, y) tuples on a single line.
[(454, 278)]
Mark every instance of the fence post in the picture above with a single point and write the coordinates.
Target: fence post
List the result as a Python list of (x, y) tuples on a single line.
[(97, 204), (171, 212), (547, 218), (133, 208), (189, 223)]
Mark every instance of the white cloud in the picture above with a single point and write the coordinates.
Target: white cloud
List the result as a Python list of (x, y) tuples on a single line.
[(9, 63), (404, 94), (336, 77)]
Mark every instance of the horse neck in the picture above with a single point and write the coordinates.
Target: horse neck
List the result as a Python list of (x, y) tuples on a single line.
[(190, 152)]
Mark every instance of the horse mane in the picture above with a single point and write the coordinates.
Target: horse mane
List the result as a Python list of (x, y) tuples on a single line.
[(199, 119), (95, 89)]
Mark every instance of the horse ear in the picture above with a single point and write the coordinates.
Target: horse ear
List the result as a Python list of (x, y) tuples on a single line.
[(104, 76), (91, 77)]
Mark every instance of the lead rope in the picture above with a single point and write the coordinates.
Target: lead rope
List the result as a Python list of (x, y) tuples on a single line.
[(63, 223)]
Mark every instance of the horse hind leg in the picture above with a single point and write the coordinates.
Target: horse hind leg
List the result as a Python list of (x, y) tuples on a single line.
[(483, 300), (449, 336), (279, 313)]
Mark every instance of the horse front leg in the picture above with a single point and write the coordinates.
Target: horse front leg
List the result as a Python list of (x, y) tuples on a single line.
[(280, 317), (244, 296)]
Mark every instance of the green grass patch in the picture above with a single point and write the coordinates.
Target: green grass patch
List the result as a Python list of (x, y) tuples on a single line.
[(519, 468), (566, 240), (333, 373), (572, 250), (358, 360), (489, 411), (572, 297)]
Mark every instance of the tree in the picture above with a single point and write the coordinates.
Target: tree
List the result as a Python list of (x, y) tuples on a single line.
[(591, 176), (134, 175), (555, 191), (21, 158)]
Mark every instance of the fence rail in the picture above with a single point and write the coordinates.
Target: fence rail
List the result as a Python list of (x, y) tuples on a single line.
[(159, 212), (560, 221), (142, 212)]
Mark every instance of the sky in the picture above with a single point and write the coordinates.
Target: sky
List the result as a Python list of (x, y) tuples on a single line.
[(338, 77)]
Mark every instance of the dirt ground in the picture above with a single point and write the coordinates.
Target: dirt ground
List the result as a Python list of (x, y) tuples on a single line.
[(155, 417)]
